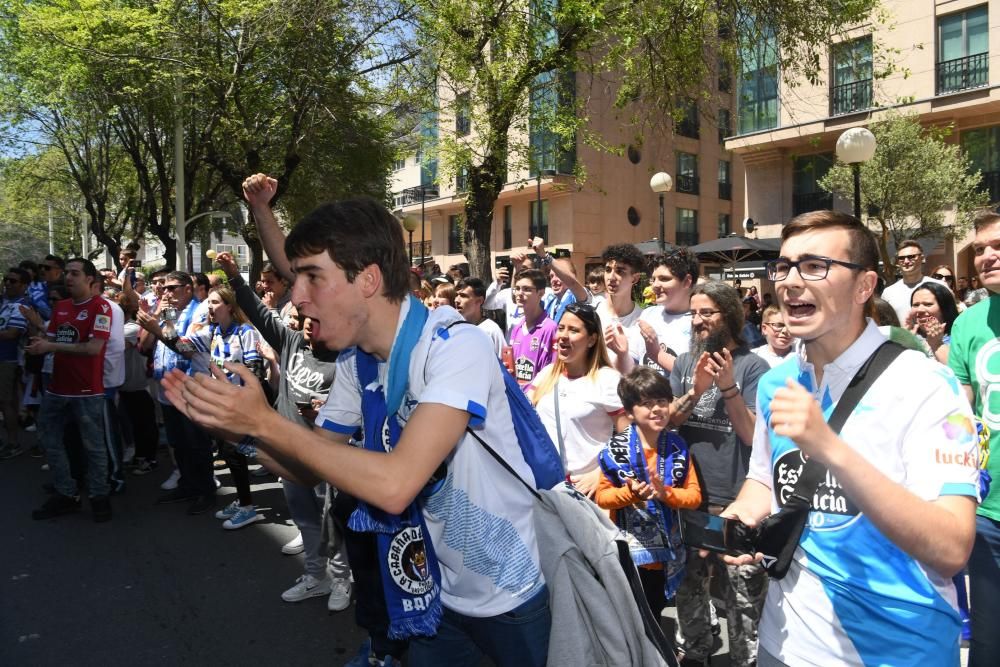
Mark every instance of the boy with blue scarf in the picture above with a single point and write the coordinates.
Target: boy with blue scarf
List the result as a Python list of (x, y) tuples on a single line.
[(647, 476)]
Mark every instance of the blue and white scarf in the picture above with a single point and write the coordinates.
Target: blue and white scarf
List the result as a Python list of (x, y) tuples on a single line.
[(651, 531), (411, 577)]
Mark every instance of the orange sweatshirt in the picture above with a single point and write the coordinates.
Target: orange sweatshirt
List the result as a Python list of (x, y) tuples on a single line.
[(611, 497)]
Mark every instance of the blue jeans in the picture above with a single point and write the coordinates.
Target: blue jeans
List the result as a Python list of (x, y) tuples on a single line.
[(305, 504), (984, 593), (519, 638), (87, 412)]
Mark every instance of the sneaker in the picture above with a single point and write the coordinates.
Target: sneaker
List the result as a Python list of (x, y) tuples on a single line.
[(293, 547), (387, 661), (100, 509), (31, 428), (175, 496), (307, 586), (260, 472), (229, 511), (45, 467), (219, 464), (10, 453), (201, 505), (714, 619), (143, 466), (171, 482), (243, 517), (340, 595), (55, 506)]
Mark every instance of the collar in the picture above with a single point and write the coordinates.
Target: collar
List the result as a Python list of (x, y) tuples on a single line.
[(850, 360)]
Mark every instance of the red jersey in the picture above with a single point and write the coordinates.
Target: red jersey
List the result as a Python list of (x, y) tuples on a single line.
[(77, 374)]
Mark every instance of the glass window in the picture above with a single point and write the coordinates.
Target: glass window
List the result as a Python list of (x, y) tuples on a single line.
[(687, 123), (463, 115), (963, 50), (536, 227), (852, 76), (758, 85), (454, 234), (508, 227), (549, 154), (462, 179), (982, 147), (687, 173), (807, 171), (724, 225), (687, 227), (725, 184), (725, 125), (399, 164)]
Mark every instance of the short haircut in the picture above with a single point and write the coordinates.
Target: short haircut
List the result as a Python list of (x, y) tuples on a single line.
[(596, 275), (984, 220), (129, 250), (861, 249), (477, 285), (182, 277), (885, 315), (86, 266), (201, 280), (355, 233), (22, 274), (463, 269), (269, 268), (627, 254), (909, 243), (681, 263), (726, 299), (57, 260), (768, 311), (158, 273), (536, 277), (641, 385), (59, 287), (29, 266), (133, 246)]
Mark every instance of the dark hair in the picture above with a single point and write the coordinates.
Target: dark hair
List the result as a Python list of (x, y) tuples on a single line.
[(945, 301), (726, 299), (181, 276), (681, 263), (129, 250), (355, 233), (643, 384), (59, 287), (86, 265), (884, 314), (158, 272), (596, 275), (22, 275), (133, 246), (625, 253), (477, 285), (59, 261), (861, 248), (909, 243), (985, 220), (201, 280), (269, 268), (30, 266), (534, 275), (463, 269)]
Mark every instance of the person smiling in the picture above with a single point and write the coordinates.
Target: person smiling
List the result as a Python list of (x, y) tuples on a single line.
[(869, 582), (664, 329)]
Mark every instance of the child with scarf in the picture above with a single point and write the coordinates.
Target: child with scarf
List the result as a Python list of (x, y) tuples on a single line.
[(647, 476)]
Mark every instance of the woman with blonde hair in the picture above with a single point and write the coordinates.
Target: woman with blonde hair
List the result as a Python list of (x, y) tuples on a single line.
[(577, 396)]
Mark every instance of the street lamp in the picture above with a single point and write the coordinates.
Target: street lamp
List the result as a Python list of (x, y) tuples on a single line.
[(410, 225), (661, 183), (855, 146)]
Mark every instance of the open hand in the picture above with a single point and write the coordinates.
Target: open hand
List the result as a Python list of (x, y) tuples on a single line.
[(587, 482), (214, 402), (720, 366), (38, 345), (703, 377), (615, 338)]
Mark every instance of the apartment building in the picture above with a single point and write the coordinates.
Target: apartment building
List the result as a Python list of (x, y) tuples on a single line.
[(614, 204), (948, 58)]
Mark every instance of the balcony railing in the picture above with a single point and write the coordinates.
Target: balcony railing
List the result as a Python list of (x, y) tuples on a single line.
[(688, 184), (991, 183), (811, 201), (417, 194), (725, 190), (963, 73), (851, 97), (686, 238)]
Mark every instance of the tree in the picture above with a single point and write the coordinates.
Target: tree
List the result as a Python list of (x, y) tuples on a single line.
[(525, 66), (911, 184)]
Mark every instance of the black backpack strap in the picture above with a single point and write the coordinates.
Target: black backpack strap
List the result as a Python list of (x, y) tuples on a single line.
[(501, 461), (813, 472)]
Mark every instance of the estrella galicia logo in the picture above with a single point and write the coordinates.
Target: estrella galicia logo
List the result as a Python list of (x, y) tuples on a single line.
[(831, 508)]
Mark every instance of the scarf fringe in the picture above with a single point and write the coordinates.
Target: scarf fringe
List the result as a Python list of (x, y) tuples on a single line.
[(425, 625)]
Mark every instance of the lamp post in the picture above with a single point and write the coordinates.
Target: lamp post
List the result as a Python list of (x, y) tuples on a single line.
[(855, 146), (661, 183), (410, 225)]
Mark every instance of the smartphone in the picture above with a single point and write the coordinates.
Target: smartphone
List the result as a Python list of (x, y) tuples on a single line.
[(562, 253), (702, 530), (503, 262), (136, 263)]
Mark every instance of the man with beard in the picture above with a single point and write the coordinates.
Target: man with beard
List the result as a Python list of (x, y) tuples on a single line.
[(716, 386)]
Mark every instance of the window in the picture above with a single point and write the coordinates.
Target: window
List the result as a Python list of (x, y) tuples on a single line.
[(418, 157), (462, 179), (687, 227), (454, 234), (758, 85), (463, 115), (725, 184), (549, 153), (852, 76), (224, 247), (242, 252), (508, 227), (806, 193), (724, 225), (963, 51), (687, 173), (982, 147), (687, 122), (540, 227), (429, 137), (725, 76), (399, 164), (725, 125)]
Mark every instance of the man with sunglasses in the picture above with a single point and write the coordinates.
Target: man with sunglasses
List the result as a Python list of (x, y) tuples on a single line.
[(893, 517), (910, 265)]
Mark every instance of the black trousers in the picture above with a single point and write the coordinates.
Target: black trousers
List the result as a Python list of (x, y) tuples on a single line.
[(193, 452), (138, 406), (239, 470)]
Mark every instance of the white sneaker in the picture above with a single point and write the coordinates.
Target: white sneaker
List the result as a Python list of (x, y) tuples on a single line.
[(293, 547), (171, 482), (307, 586), (340, 595)]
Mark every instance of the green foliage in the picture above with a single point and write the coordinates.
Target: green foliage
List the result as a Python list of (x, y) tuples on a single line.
[(917, 184)]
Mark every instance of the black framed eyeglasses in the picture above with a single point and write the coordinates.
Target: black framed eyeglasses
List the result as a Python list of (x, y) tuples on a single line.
[(810, 267), (704, 313)]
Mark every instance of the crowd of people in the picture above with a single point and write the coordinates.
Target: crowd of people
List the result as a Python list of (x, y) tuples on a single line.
[(342, 372)]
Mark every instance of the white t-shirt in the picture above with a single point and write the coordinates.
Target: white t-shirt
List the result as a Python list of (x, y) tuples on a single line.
[(630, 322), (765, 353), (114, 351), (493, 330), (587, 411), (898, 295), (481, 519), (851, 596), (673, 330)]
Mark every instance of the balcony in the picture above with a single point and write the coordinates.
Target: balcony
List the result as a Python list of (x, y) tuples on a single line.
[(804, 202), (991, 183), (687, 183), (963, 73), (725, 190), (416, 194), (850, 97)]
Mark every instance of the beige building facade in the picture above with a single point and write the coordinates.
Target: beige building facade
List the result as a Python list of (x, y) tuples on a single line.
[(947, 57)]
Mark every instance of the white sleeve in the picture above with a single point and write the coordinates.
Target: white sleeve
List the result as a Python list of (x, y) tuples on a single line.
[(760, 454), (459, 371), (608, 379), (342, 411)]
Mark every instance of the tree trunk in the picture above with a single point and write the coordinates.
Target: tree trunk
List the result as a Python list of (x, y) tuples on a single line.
[(888, 266), (485, 183)]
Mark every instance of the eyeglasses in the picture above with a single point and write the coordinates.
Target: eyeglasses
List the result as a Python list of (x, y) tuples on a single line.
[(777, 327), (810, 267), (171, 288), (901, 259), (704, 313), (942, 276)]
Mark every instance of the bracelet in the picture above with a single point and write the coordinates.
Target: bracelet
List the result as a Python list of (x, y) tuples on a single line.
[(546, 259), (723, 391), (733, 395)]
